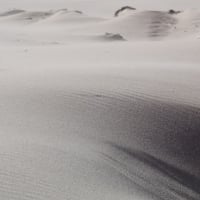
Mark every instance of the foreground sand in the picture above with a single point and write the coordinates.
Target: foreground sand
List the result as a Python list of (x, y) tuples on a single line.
[(90, 115)]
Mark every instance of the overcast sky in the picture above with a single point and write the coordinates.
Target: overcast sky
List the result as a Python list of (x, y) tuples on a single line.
[(98, 7)]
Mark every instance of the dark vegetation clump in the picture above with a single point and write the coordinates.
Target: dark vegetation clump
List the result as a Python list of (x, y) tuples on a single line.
[(122, 9), (79, 12), (114, 37), (173, 12)]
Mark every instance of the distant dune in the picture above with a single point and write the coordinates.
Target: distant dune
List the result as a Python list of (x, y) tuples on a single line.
[(131, 25)]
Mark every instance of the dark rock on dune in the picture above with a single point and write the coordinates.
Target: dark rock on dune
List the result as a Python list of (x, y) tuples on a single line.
[(78, 11), (173, 12), (111, 36)]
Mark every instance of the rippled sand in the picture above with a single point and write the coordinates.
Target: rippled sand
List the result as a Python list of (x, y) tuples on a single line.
[(99, 108)]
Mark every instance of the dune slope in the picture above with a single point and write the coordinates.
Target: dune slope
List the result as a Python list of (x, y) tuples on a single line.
[(99, 108)]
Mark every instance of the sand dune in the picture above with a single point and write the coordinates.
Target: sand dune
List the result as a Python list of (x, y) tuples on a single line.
[(64, 16), (136, 25), (99, 107), (75, 25), (145, 24), (86, 133), (24, 16), (56, 16)]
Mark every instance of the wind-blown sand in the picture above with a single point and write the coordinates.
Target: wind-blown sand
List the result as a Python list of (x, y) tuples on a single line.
[(96, 107)]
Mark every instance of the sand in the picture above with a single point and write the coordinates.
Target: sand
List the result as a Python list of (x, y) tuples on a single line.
[(99, 107)]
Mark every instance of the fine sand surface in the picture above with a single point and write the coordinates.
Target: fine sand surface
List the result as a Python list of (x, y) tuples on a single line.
[(97, 107)]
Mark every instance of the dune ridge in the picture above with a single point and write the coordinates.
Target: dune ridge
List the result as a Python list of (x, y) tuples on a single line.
[(134, 25)]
